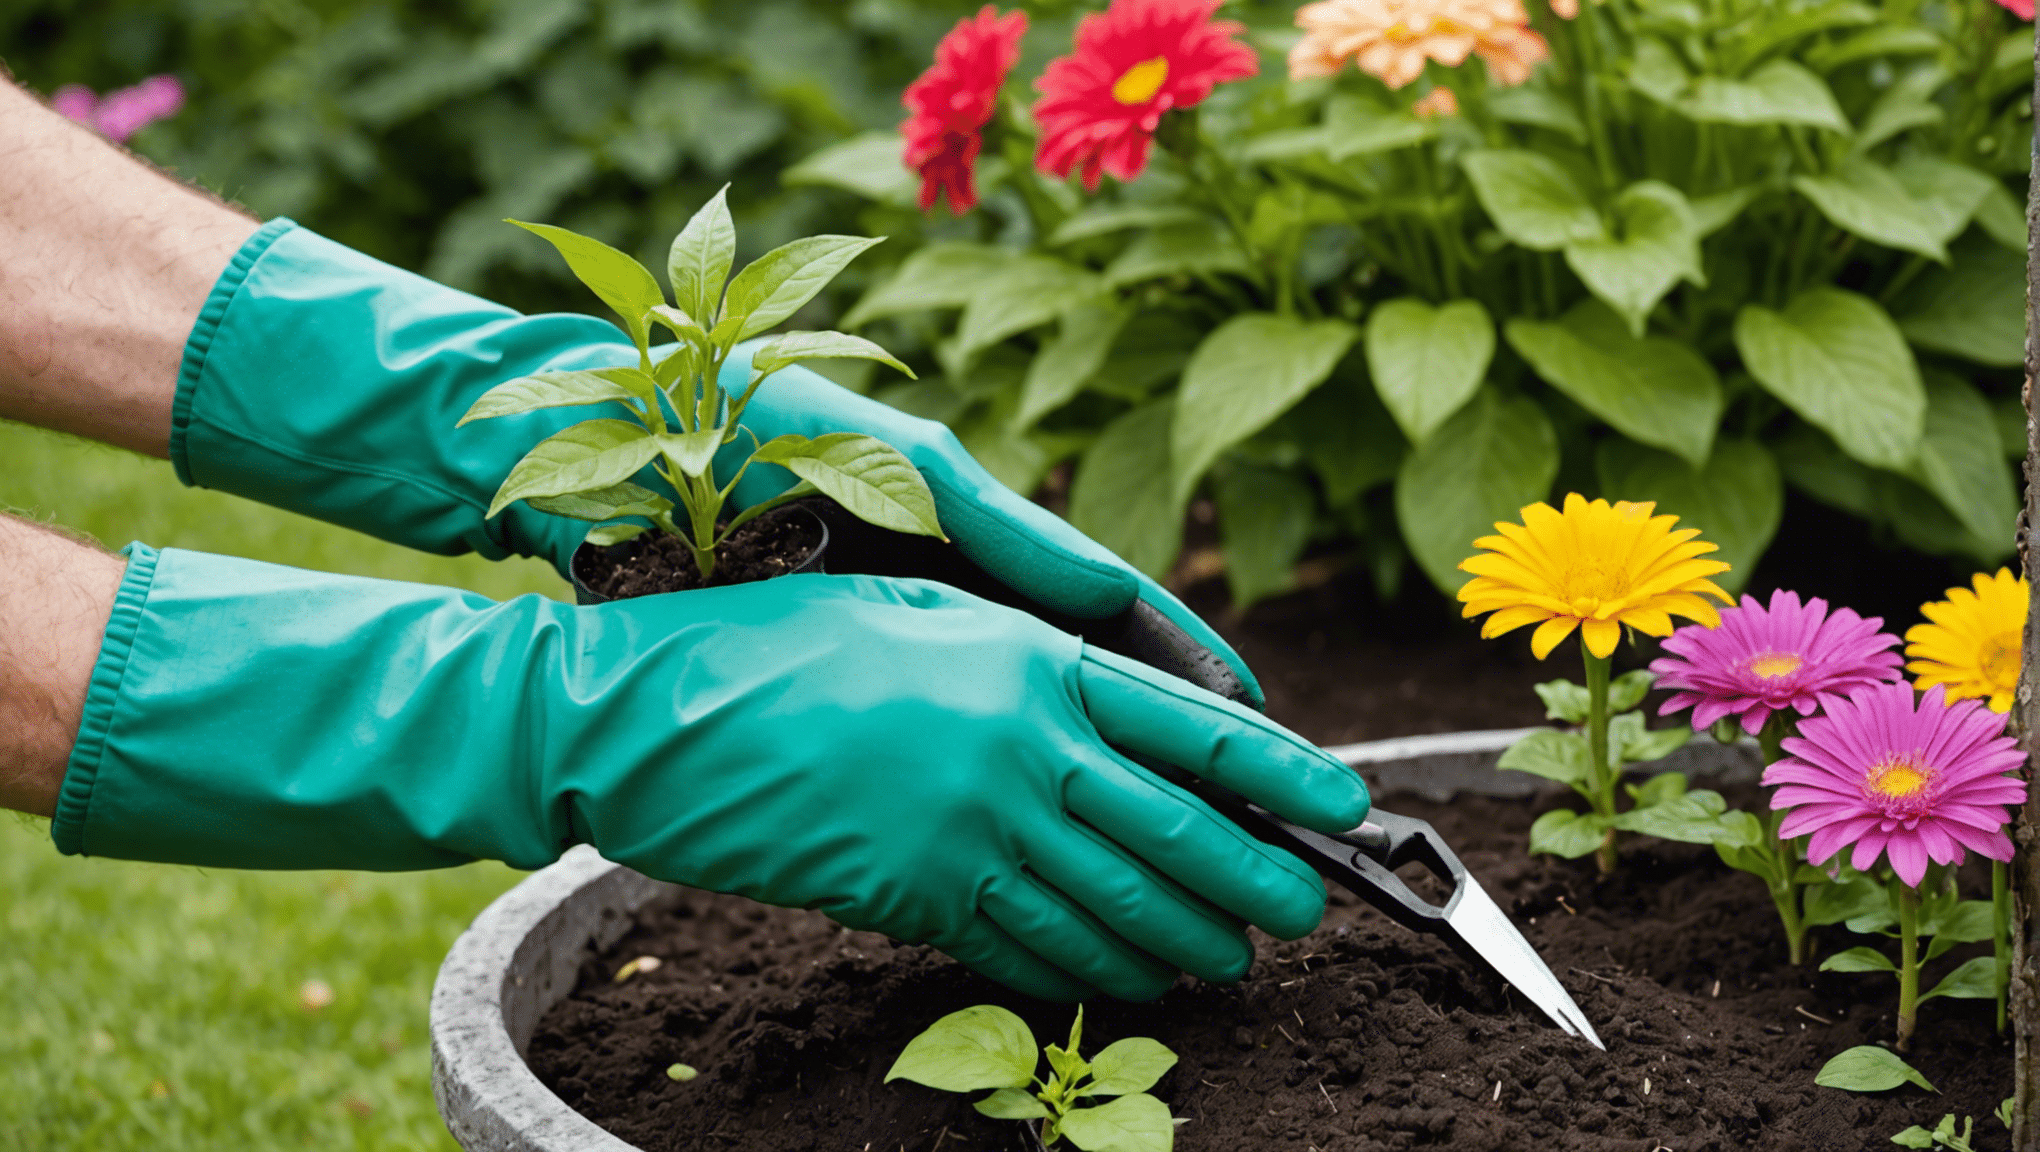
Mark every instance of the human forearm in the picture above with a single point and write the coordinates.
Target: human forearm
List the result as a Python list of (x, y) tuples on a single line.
[(55, 598), (104, 263)]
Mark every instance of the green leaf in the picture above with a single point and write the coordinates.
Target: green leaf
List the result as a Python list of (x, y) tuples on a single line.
[(1908, 102), (1655, 390), (620, 281), (1026, 293), (1655, 243), (1975, 308), (1713, 213), (1839, 361), (1532, 199), (793, 347), (1628, 690), (1103, 219), (1657, 789), (1864, 197), (1484, 465), (942, 275), (1135, 1123), (1554, 755), (1854, 898), (625, 499), (1426, 361), (699, 261), (560, 390), (863, 474), (604, 535), (1127, 1066), (980, 1047), (1779, 92), (1736, 500), (1740, 829), (1868, 1068), (1564, 700), (869, 164), (1012, 1104), (1947, 193), (1349, 439), (1074, 355), (1881, 40), (1691, 818), (1960, 461), (1537, 107), (2002, 218), (1255, 367), (1657, 72), (1913, 1137), (1858, 959), (778, 283), (1568, 835), (590, 455), (1192, 248), (1264, 517), (1655, 744), (1066, 1063), (1356, 127), (1122, 495), (692, 452)]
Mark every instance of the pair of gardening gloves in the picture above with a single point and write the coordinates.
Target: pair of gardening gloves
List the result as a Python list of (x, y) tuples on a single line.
[(907, 757)]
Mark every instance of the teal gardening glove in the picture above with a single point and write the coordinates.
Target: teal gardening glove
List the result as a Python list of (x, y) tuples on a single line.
[(257, 413), (328, 383), (911, 759)]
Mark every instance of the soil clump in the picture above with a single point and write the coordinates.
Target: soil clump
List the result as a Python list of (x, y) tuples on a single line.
[(773, 544)]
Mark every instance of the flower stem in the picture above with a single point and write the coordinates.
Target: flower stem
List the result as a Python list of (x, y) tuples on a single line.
[(2001, 932), (1597, 751), (1908, 964), (1785, 892)]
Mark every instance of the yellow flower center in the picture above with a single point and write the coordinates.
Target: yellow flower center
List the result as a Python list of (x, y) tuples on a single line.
[(1898, 778), (2000, 660), (1142, 81), (1772, 665)]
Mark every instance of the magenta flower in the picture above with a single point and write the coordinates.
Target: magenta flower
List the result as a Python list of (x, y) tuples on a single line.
[(1763, 661), (1917, 785), (2023, 9), (120, 114)]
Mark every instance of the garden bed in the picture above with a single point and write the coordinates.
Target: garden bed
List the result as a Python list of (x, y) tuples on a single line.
[(1359, 1037)]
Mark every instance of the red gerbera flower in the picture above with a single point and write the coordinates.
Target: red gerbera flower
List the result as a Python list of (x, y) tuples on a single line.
[(953, 99), (1134, 61)]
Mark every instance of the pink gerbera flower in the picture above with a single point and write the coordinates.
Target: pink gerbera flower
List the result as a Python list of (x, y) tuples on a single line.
[(1759, 662), (952, 100), (1133, 62), (1916, 785)]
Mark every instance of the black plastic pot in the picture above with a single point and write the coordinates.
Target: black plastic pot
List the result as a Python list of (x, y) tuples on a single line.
[(586, 555)]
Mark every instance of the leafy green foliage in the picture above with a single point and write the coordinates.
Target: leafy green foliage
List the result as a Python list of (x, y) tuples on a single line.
[(989, 1047), (1868, 1068), (586, 470), (1704, 239), (1944, 1135)]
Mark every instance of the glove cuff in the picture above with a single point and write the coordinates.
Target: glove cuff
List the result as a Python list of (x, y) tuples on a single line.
[(199, 344), (74, 800)]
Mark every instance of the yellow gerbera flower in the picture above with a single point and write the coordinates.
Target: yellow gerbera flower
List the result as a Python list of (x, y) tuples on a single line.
[(1972, 646), (1594, 567)]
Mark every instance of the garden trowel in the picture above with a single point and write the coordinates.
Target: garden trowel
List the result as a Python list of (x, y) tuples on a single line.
[(1363, 859)]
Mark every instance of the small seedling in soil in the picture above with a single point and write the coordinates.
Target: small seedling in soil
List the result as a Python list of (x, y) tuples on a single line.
[(988, 1047), (680, 415), (1943, 1136), (681, 1072), (1868, 1068)]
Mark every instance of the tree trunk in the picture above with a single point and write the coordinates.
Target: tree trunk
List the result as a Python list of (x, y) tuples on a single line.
[(2025, 990)]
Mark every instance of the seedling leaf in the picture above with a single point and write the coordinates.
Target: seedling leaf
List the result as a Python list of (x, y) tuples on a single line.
[(1859, 959), (625, 499), (1868, 1068), (776, 285), (863, 474), (1554, 755), (793, 347), (984, 1046), (620, 281), (1012, 1104), (1136, 1123), (1568, 834), (559, 390), (699, 261), (1128, 1066), (590, 455), (1975, 980)]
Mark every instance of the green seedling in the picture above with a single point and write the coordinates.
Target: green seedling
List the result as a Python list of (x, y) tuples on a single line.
[(1944, 1136), (681, 1072), (680, 415), (1868, 1068), (989, 1047)]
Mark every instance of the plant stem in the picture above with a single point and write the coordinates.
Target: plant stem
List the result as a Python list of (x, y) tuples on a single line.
[(2001, 932), (1597, 751), (1785, 891), (1908, 964)]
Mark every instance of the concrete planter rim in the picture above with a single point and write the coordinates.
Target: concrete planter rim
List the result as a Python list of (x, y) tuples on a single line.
[(522, 954)]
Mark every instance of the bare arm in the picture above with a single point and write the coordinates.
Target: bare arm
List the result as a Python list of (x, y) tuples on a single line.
[(55, 597), (104, 264)]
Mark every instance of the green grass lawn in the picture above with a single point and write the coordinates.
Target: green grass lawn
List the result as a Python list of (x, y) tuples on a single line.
[(152, 1007)]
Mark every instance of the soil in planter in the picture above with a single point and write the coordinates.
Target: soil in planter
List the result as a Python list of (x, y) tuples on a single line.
[(1359, 1038), (773, 544)]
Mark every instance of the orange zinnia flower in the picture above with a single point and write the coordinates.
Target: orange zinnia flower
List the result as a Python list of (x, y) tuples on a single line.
[(1391, 39)]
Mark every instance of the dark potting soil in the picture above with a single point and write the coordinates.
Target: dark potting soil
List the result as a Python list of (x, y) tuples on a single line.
[(774, 544), (1359, 1038)]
